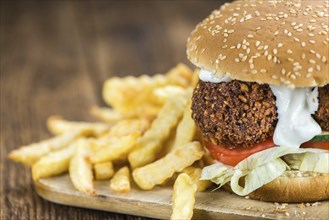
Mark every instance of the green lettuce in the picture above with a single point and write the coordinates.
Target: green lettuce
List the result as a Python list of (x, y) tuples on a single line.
[(265, 166)]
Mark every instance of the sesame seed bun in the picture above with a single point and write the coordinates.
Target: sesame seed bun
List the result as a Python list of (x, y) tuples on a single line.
[(293, 186), (274, 42)]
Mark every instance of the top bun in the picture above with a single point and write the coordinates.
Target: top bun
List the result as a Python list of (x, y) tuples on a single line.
[(277, 42)]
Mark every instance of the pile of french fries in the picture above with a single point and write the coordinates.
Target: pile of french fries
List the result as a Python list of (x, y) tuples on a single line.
[(147, 136)]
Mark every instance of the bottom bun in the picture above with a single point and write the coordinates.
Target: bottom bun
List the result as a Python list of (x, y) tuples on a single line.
[(293, 186)]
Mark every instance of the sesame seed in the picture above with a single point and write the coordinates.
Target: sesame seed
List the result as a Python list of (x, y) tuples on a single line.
[(238, 46), (324, 59), (276, 33), (312, 41), (283, 71), (274, 77), (280, 45), (318, 67), (275, 59), (269, 57), (263, 70), (312, 61), (289, 51), (257, 43), (308, 75), (237, 60), (252, 66), (253, 71), (275, 51), (303, 44), (318, 56), (310, 69)]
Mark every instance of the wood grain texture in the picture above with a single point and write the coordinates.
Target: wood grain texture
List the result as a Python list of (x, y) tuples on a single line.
[(157, 203), (55, 56)]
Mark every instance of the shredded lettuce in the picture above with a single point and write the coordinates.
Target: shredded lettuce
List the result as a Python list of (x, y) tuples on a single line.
[(265, 166), (316, 162)]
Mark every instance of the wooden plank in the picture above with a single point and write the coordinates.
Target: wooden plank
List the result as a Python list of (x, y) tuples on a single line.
[(156, 203)]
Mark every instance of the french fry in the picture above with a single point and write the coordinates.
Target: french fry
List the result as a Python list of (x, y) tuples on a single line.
[(80, 169), (133, 94), (57, 125), (195, 174), (121, 180), (186, 129), (31, 153), (53, 163), (157, 172), (180, 75), (163, 93), (128, 127), (108, 115), (103, 171), (112, 148), (183, 198), (195, 78), (150, 144)]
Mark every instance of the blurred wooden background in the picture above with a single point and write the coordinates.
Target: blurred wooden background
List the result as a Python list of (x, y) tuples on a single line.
[(55, 56)]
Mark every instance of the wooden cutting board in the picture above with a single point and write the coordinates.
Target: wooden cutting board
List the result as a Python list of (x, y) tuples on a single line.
[(157, 202)]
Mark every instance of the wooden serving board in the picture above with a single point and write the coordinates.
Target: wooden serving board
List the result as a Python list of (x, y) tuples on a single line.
[(157, 202)]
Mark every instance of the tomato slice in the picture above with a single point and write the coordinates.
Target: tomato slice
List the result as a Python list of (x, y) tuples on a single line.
[(315, 144), (233, 157)]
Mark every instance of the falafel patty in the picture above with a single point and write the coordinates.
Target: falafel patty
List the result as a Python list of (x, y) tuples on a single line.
[(234, 114), (322, 114)]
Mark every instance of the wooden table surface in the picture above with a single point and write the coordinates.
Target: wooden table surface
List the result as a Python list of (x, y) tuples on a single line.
[(54, 59)]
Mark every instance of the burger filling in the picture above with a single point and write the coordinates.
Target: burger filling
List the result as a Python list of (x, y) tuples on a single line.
[(239, 118), (255, 130)]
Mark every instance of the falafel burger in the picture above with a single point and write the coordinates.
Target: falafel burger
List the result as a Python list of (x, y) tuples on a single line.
[(262, 101)]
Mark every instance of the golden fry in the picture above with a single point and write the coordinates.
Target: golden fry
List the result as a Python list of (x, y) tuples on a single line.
[(80, 169), (112, 148), (57, 125), (163, 93), (53, 163), (195, 174), (121, 180), (108, 115), (103, 171), (186, 129), (180, 75), (157, 172), (183, 198), (133, 94), (196, 78), (128, 127), (150, 144), (31, 153)]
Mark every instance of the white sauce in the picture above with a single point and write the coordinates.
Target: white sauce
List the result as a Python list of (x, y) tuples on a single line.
[(295, 123), (207, 76)]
